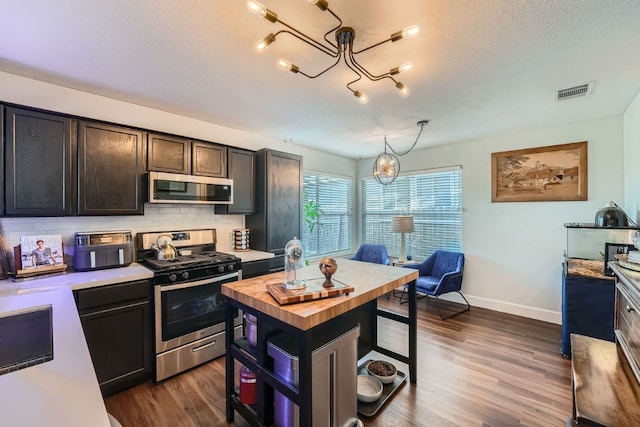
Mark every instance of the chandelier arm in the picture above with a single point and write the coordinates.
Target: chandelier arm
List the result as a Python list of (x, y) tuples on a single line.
[(372, 46), (321, 72), (331, 31), (310, 41), (355, 70), (386, 144), (364, 71), (321, 48)]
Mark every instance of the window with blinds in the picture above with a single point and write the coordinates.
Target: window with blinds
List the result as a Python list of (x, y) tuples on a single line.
[(334, 196), (433, 197)]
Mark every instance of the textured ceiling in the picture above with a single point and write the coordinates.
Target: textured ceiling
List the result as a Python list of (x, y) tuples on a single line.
[(480, 67)]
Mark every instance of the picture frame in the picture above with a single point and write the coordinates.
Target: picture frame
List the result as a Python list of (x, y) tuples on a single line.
[(540, 174), (610, 252), (41, 251)]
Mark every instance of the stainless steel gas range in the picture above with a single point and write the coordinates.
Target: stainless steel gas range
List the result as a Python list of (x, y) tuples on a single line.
[(188, 304)]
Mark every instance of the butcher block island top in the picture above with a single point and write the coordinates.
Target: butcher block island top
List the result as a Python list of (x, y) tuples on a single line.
[(368, 280)]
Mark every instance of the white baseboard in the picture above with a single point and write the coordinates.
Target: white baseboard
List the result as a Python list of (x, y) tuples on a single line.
[(517, 309)]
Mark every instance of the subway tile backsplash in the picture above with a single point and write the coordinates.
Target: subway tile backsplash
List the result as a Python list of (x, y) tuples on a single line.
[(159, 217)]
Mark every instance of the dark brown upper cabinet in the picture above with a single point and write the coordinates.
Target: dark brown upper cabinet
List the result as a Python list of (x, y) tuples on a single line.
[(111, 167), (169, 154), (240, 168), (39, 164), (173, 154), (208, 159)]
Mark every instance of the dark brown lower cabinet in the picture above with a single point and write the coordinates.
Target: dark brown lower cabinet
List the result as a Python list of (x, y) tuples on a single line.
[(116, 320)]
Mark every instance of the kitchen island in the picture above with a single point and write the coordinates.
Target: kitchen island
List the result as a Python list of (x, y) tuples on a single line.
[(369, 281)]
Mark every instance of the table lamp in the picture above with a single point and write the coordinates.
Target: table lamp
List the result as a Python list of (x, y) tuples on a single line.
[(402, 224)]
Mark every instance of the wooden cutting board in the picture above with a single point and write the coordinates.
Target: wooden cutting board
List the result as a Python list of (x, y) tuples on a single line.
[(313, 291)]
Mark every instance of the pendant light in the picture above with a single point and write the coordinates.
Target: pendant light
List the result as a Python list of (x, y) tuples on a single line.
[(387, 165)]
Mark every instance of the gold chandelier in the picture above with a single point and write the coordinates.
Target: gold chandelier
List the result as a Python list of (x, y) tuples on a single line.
[(342, 49), (386, 168)]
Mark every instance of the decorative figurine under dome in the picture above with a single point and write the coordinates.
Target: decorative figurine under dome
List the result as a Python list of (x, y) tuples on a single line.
[(293, 260), (611, 216), (328, 267)]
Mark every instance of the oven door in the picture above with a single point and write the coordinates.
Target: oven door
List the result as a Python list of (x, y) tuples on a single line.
[(185, 312)]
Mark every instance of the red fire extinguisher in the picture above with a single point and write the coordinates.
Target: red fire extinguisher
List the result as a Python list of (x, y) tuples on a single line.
[(248, 392)]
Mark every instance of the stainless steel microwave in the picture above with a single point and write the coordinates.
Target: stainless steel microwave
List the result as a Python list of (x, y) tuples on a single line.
[(177, 188)]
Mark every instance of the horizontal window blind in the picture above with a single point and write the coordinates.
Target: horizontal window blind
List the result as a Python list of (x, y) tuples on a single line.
[(334, 196), (433, 197)]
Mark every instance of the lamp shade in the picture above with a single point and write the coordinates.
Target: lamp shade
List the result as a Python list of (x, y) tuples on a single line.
[(402, 224)]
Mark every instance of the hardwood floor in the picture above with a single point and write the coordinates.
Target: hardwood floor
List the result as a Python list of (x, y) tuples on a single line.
[(481, 368)]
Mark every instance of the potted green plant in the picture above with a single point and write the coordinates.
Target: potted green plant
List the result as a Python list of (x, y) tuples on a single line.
[(311, 214)]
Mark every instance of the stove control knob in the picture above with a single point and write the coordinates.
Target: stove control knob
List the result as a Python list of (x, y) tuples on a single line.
[(172, 277), (221, 269), (185, 275), (230, 267)]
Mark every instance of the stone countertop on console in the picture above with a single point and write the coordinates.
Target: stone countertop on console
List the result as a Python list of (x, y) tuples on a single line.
[(65, 390)]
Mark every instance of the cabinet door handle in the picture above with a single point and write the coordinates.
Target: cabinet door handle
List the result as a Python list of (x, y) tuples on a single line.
[(629, 308), (203, 346)]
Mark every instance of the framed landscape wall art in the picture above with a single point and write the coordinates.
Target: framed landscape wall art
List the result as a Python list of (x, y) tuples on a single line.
[(541, 174)]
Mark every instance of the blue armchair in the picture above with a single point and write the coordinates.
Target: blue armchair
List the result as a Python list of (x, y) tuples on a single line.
[(440, 274), (376, 254)]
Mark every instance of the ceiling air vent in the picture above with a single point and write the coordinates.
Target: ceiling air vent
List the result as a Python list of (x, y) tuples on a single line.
[(572, 92)]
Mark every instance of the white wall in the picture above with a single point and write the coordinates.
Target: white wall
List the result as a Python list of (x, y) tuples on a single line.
[(514, 251), (632, 159), (33, 93)]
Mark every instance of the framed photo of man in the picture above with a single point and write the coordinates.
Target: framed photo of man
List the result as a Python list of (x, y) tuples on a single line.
[(41, 251)]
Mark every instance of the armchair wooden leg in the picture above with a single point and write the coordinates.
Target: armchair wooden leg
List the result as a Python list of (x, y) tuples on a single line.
[(456, 313)]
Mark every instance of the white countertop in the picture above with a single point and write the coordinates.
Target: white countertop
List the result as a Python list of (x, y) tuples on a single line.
[(65, 390)]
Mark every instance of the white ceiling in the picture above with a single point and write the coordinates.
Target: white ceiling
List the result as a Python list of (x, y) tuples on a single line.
[(481, 67)]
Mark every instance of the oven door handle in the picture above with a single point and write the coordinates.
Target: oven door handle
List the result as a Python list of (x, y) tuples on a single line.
[(198, 282)]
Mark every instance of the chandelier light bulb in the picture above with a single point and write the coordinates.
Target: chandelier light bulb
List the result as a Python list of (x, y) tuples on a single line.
[(407, 66), (287, 66), (402, 88), (284, 64), (257, 8), (322, 4), (405, 33), (361, 97), (401, 69), (410, 31), (265, 42)]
